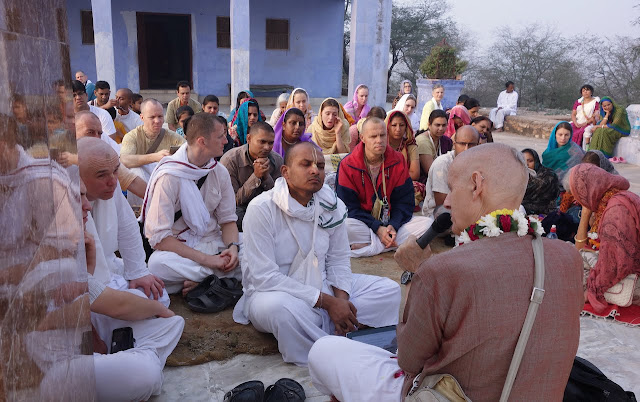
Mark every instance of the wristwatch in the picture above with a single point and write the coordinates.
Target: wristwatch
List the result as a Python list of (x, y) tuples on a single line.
[(406, 277), (234, 244)]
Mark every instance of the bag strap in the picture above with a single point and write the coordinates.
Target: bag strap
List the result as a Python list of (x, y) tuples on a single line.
[(536, 299), (156, 143)]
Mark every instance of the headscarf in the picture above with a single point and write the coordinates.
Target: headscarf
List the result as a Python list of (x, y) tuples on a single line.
[(618, 120), (308, 114), (326, 139), (618, 229), (407, 139), (234, 111), (604, 162), (242, 119), (352, 106), (277, 141), (457, 111), (542, 189), (414, 119), (561, 159)]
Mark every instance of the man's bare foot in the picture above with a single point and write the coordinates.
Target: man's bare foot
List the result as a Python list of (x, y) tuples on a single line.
[(356, 246), (334, 399), (188, 286), (499, 130)]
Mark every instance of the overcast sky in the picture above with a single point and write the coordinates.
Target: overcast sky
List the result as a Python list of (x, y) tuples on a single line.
[(481, 18)]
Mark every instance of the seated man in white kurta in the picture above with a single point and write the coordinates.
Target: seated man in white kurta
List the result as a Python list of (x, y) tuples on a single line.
[(189, 211), (507, 106), (296, 269), (115, 222)]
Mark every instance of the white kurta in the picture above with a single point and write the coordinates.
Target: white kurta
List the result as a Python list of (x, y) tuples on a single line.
[(220, 201), (507, 105), (276, 303), (130, 120), (437, 181)]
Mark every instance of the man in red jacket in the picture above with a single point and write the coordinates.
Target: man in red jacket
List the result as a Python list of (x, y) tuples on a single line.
[(380, 216)]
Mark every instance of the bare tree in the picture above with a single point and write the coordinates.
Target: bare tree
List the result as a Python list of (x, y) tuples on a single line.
[(616, 68)]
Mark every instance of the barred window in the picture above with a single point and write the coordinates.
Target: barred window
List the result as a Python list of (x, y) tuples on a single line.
[(223, 32), (86, 24), (277, 37)]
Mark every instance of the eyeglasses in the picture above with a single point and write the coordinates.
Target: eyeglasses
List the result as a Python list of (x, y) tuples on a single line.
[(466, 144)]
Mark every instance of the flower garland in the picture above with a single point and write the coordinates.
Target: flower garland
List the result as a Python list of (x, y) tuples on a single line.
[(498, 222), (592, 236)]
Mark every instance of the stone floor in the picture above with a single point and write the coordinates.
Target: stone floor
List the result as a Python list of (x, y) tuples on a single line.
[(613, 347)]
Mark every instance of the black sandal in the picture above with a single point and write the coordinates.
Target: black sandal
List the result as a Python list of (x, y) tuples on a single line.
[(285, 390), (200, 288), (222, 293), (250, 391)]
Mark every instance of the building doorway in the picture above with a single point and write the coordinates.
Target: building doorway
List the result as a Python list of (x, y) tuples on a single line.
[(164, 50)]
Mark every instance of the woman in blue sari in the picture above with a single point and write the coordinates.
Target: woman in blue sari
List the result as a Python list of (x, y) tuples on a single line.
[(561, 154), (613, 126), (247, 114)]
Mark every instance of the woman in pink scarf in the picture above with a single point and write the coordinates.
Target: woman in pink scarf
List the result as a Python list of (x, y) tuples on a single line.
[(617, 224), (458, 117), (358, 108)]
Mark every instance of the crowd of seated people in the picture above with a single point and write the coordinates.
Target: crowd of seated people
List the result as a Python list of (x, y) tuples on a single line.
[(234, 211)]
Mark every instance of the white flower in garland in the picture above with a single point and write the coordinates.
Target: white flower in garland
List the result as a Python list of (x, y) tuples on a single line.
[(523, 225), (489, 226), (463, 238), (539, 228), (593, 235)]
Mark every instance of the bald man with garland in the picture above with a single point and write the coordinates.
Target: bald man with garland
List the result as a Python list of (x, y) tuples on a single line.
[(466, 307), (113, 222)]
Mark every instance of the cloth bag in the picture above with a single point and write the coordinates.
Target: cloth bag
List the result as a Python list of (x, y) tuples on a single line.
[(621, 293), (444, 387)]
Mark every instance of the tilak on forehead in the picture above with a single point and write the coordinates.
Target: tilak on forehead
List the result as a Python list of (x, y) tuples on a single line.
[(95, 155)]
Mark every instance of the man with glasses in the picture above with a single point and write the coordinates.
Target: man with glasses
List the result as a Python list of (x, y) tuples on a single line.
[(436, 187), (80, 104)]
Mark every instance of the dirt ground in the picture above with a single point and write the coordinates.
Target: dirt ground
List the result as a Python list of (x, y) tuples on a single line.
[(208, 337)]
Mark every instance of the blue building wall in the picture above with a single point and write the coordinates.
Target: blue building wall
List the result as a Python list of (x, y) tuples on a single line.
[(313, 61)]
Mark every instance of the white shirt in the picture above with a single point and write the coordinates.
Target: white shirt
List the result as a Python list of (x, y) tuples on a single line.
[(105, 118), (437, 181), (508, 100), (270, 241), (130, 120), (118, 230), (219, 199)]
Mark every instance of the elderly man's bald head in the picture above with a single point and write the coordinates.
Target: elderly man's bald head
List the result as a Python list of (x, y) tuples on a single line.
[(466, 137), (88, 125), (483, 179), (99, 165)]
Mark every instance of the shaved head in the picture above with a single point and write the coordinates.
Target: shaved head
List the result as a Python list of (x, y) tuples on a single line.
[(99, 165), (484, 179), (303, 170), (87, 125), (299, 147), (124, 92)]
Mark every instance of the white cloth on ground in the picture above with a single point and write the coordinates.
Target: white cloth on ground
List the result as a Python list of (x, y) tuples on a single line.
[(354, 371), (437, 181), (360, 233), (274, 301)]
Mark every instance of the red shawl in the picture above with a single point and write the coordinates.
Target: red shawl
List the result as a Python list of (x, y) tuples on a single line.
[(618, 231), (457, 111)]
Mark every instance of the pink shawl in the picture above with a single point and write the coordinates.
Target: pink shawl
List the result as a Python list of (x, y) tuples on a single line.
[(461, 112), (619, 228), (352, 107)]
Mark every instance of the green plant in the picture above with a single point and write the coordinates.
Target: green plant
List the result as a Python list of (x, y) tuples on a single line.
[(442, 63)]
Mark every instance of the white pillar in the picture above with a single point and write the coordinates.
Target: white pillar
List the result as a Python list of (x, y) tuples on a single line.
[(103, 39), (133, 70), (369, 48), (239, 47)]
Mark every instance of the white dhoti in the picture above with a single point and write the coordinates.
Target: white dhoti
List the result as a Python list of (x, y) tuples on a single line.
[(297, 326), (497, 116), (354, 371), (135, 374), (360, 233), (586, 137), (131, 375), (174, 269), (144, 172), (119, 283)]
